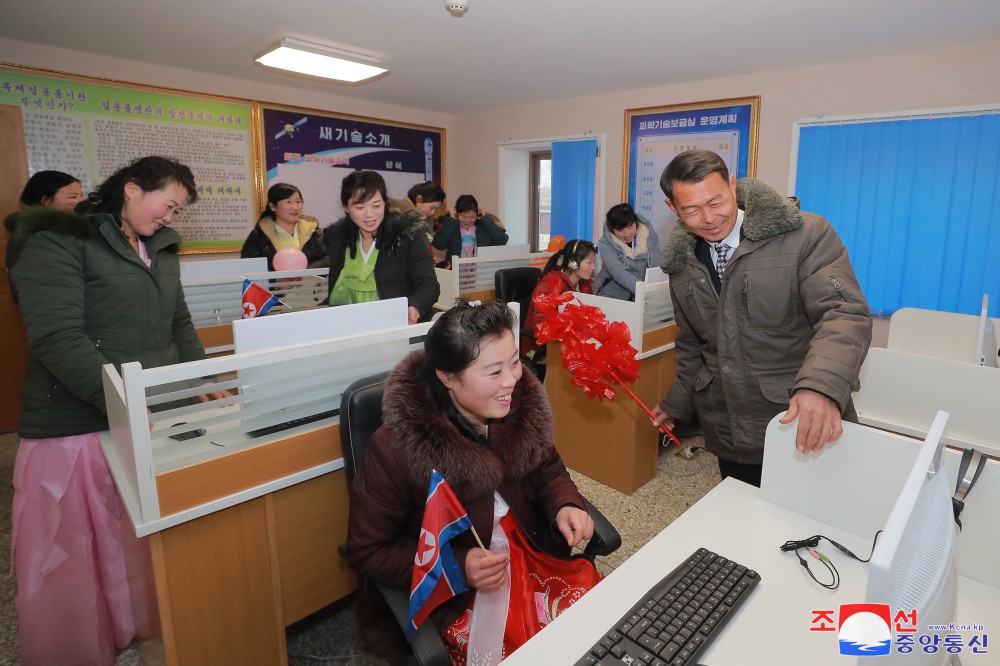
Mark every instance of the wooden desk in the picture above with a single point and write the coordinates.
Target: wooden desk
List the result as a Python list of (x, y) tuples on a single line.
[(219, 335), (227, 584), (611, 442), (241, 533)]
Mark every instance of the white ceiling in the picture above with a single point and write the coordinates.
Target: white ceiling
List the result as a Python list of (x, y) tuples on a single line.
[(504, 52)]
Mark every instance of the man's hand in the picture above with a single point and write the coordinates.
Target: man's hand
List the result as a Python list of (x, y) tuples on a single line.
[(575, 525), (484, 571), (662, 418), (819, 420), (412, 316)]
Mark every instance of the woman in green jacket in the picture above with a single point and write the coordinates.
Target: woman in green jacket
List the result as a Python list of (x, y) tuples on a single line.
[(466, 229), (93, 289)]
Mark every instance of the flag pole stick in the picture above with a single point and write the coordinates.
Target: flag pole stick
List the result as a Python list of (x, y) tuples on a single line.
[(478, 540)]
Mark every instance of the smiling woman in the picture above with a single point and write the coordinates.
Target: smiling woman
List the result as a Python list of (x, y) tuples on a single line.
[(465, 408), (52, 188), (103, 287), (282, 226), (375, 254)]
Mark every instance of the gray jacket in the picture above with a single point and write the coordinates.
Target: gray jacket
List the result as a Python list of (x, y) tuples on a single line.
[(790, 316), (619, 272)]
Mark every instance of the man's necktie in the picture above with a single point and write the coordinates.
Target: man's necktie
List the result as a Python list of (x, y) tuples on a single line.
[(722, 250)]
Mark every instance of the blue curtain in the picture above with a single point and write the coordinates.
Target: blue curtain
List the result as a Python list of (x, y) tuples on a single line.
[(916, 202), (573, 167)]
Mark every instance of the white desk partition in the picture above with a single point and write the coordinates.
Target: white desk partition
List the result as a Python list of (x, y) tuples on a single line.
[(478, 273), (987, 347), (319, 324), (657, 308), (946, 335), (488, 251), (741, 523), (900, 389), (853, 484), (215, 299), (140, 457), (278, 394), (651, 310), (654, 275), (223, 267)]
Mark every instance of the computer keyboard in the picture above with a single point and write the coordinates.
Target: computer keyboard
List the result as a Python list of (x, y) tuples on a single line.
[(679, 617), (288, 425)]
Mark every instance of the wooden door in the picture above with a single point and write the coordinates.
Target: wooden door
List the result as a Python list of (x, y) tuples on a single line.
[(13, 345)]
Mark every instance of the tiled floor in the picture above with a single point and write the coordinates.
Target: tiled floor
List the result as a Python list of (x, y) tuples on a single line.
[(324, 638)]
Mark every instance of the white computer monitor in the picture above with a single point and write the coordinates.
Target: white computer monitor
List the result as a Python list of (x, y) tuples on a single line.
[(913, 564)]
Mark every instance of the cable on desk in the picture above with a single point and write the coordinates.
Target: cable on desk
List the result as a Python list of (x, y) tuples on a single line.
[(810, 544)]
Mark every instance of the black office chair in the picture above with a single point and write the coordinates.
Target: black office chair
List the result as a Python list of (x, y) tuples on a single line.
[(360, 417), (516, 285)]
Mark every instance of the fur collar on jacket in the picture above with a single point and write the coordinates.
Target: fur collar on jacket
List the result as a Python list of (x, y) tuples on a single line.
[(426, 439), (307, 227), (397, 230), (766, 214), (24, 224)]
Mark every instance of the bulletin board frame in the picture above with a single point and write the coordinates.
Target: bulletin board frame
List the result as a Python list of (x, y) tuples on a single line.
[(330, 149), (728, 127), (213, 120)]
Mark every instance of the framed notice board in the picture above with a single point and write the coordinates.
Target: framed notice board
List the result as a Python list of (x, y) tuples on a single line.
[(314, 150), (90, 127), (654, 135)]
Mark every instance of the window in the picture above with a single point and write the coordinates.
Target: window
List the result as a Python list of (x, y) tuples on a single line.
[(916, 199), (523, 204), (540, 199)]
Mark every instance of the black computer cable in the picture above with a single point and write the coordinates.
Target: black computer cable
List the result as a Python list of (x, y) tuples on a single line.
[(810, 545)]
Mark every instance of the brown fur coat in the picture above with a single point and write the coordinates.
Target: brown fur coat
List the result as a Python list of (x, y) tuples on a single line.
[(388, 495)]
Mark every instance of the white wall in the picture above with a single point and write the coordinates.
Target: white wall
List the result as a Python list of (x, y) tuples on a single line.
[(929, 79), (75, 62)]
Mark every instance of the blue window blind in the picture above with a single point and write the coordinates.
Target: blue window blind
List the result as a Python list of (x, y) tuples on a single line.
[(916, 202), (573, 175)]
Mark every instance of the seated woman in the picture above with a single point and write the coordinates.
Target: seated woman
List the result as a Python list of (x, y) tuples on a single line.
[(54, 189), (629, 246), (464, 407), (471, 230), (569, 269), (282, 226), (374, 255), (426, 197)]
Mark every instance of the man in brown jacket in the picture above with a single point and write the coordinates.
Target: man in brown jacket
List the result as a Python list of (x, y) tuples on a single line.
[(770, 312)]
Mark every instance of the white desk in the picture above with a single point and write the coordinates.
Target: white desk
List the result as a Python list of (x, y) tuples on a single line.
[(901, 392), (772, 627)]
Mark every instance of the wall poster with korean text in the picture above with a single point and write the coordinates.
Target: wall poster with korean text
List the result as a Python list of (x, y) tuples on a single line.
[(90, 127), (655, 135), (314, 150)]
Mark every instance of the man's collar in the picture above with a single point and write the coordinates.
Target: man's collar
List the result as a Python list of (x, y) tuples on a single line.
[(733, 239)]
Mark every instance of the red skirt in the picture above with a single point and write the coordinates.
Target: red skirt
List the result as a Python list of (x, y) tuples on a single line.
[(541, 587)]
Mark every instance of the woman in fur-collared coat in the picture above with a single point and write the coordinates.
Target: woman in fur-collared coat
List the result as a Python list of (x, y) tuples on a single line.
[(464, 407)]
